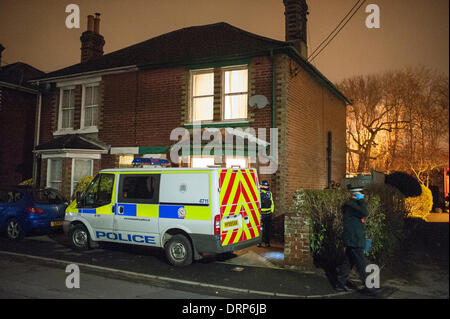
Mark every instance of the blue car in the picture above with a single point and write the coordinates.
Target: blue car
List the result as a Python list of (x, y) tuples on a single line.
[(25, 210)]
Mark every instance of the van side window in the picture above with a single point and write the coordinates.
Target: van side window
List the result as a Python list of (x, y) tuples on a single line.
[(99, 192), (139, 189)]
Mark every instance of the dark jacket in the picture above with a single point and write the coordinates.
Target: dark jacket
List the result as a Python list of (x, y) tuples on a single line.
[(354, 234)]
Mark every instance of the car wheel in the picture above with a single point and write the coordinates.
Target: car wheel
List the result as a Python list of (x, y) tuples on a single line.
[(14, 229), (79, 237), (179, 251)]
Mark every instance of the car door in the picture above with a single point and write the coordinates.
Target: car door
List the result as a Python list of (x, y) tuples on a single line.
[(98, 202), (137, 209)]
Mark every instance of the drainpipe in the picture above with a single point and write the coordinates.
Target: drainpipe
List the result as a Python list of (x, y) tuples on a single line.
[(274, 100), (37, 127)]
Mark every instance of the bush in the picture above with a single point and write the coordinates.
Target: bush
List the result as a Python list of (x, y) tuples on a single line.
[(27, 182), (405, 183), (420, 206), (324, 208), (384, 224), (81, 185)]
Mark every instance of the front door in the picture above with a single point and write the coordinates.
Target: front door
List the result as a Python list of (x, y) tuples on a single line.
[(137, 209)]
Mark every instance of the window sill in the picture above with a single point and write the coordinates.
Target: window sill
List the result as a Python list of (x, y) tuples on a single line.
[(79, 131), (238, 123)]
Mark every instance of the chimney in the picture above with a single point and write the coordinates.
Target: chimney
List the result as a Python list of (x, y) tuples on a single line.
[(296, 12), (1, 50), (91, 41)]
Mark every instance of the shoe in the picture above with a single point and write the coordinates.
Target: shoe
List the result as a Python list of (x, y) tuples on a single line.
[(267, 245), (259, 245), (342, 288)]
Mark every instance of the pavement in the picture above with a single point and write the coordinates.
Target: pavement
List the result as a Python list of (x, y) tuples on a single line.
[(437, 218)]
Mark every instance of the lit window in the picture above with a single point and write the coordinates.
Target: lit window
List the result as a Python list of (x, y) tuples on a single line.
[(202, 162), (126, 161), (202, 96), (235, 94), (90, 105), (233, 162), (67, 107), (54, 173)]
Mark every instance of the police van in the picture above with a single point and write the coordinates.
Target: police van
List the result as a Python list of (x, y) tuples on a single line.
[(185, 211)]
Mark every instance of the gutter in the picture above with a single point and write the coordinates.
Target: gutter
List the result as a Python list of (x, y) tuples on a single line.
[(121, 69), (18, 87), (295, 55)]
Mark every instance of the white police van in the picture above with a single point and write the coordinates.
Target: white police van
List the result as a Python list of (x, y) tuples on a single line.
[(185, 211)]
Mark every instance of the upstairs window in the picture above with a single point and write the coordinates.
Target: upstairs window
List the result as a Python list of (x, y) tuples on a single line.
[(90, 105), (67, 108), (235, 88), (202, 95)]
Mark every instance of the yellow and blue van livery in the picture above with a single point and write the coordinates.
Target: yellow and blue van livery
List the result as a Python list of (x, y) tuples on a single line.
[(186, 211)]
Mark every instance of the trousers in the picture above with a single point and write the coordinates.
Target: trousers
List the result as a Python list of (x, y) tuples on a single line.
[(354, 257), (267, 225)]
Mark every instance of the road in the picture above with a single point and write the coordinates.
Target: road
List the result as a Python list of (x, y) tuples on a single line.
[(210, 277), (20, 278)]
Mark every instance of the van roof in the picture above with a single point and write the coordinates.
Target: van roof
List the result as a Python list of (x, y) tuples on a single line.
[(165, 169)]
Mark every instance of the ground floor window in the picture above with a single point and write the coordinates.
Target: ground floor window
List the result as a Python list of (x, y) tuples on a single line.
[(80, 168), (126, 160), (54, 173), (229, 161), (236, 162), (202, 161)]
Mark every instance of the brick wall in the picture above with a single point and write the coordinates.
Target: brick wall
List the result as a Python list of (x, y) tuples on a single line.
[(312, 111), (297, 252), (17, 121)]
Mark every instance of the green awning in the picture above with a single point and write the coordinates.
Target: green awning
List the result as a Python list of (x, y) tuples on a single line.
[(153, 149)]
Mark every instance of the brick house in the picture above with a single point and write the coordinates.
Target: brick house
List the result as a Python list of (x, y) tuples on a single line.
[(18, 102), (125, 104)]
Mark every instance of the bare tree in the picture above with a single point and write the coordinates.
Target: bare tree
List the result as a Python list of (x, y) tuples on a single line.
[(398, 121)]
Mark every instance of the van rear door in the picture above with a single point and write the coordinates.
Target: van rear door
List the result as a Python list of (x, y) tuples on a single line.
[(240, 217)]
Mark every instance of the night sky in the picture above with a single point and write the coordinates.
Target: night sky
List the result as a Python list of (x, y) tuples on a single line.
[(412, 33)]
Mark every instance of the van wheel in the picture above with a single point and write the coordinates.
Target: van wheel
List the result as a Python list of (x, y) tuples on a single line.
[(179, 251), (79, 237)]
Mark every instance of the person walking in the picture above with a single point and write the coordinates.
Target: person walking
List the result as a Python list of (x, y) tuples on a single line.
[(354, 238), (267, 208)]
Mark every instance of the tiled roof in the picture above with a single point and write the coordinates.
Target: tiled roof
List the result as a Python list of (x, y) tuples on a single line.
[(19, 73), (71, 141), (183, 46)]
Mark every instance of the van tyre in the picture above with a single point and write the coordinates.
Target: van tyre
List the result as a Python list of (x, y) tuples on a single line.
[(79, 237), (179, 251)]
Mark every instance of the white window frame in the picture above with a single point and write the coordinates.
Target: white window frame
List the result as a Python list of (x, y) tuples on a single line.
[(61, 94), (72, 184), (49, 165), (191, 92), (224, 95), (83, 105)]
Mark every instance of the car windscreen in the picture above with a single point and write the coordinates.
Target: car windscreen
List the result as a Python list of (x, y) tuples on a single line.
[(47, 196)]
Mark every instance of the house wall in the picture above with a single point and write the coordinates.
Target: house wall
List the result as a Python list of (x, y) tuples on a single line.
[(17, 121), (312, 111), (141, 109)]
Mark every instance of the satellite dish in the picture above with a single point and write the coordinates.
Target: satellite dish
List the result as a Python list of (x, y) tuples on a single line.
[(258, 101)]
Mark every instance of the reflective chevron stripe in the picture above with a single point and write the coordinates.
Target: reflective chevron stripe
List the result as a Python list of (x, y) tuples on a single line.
[(239, 205)]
